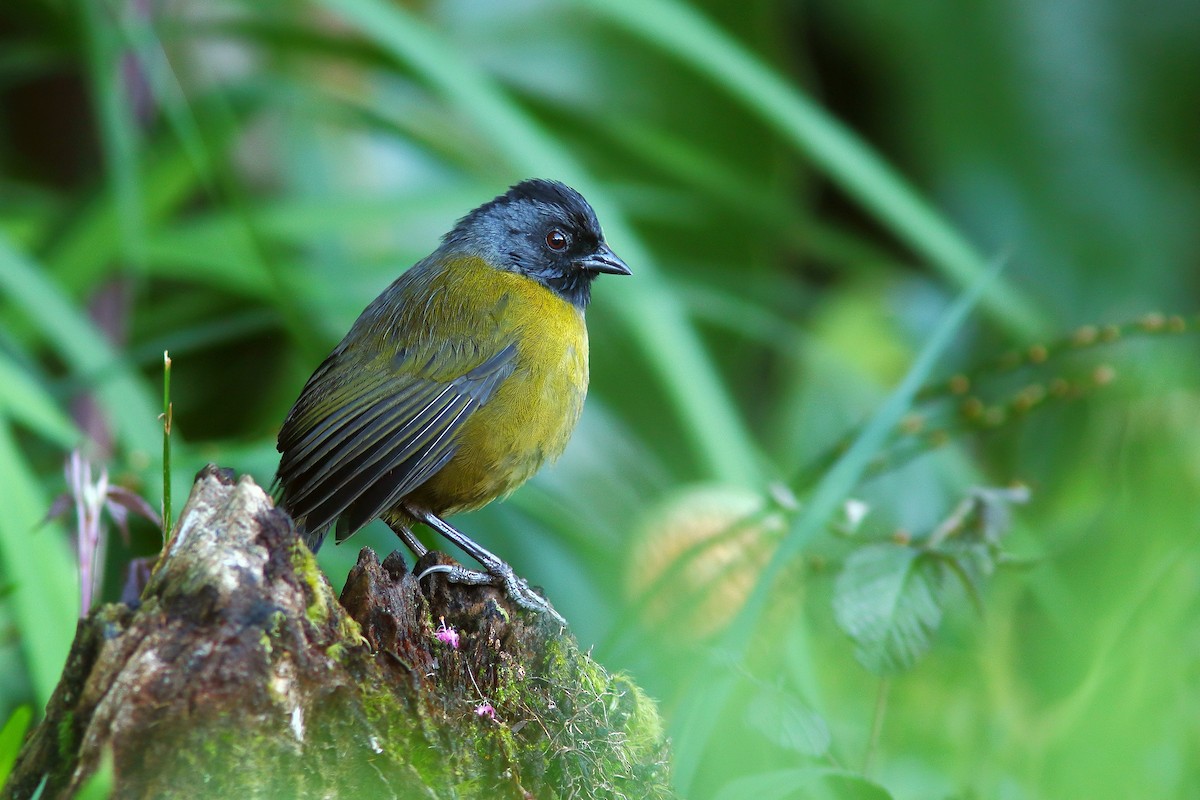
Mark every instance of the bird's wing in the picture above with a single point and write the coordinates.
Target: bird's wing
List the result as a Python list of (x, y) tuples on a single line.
[(358, 440)]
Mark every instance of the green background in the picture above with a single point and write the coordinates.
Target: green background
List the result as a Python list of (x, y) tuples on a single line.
[(802, 190)]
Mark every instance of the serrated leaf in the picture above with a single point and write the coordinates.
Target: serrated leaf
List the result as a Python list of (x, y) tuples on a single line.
[(972, 564), (788, 722), (888, 599)]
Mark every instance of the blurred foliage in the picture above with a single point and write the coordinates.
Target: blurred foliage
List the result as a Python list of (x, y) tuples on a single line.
[(234, 181)]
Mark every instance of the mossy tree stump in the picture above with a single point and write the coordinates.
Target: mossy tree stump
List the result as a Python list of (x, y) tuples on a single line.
[(240, 674)]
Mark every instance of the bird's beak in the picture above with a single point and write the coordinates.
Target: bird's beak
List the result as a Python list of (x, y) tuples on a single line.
[(604, 260)]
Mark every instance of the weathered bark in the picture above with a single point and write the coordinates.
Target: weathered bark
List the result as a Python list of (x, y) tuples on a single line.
[(240, 675)]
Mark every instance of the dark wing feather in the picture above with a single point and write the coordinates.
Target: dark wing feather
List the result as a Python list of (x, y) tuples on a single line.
[(306, 439), (377, 445)]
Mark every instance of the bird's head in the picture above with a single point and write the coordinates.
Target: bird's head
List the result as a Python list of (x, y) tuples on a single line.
[(544, 230)]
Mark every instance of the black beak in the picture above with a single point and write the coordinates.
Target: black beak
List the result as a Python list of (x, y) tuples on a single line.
[(603, 260)]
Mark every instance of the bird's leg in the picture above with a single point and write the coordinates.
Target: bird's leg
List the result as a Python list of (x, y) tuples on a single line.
[(406, 535), (498, 572)]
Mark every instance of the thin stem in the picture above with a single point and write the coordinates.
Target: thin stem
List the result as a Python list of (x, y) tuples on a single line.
[(881, 699), (166, 455)]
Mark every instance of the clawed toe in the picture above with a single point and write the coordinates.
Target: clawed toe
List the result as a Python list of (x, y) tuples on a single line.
[(502, 575)]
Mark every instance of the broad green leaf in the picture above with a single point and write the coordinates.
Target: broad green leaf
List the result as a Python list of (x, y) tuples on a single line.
[(789, 723), (888, 599)]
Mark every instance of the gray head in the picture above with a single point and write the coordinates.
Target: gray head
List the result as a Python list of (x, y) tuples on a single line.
[(543, 229)]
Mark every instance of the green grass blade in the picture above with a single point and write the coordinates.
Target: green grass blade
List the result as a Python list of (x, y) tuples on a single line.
[(705, 705), (166, 447), (652, 313), (118, 133), (11, 736), (82, 254), (138, 34), (839, 482), (80, 345), (684, 32), (22, 399), (38, 562)]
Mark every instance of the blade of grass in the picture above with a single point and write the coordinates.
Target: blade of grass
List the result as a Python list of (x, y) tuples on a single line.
[(79, 255), (214, 249), (194, 338), (217, 175), (118, 134), (685, 33), (166, 448), (705, 173), (705, 705), (11, 736), (38, 563), (22, 399), (82, 347), (651, 312), (138, 34)]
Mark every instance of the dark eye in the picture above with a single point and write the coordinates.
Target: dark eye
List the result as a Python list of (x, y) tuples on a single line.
[(557, 240)]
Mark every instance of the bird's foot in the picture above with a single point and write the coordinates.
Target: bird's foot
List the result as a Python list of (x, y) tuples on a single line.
[(498, 574)]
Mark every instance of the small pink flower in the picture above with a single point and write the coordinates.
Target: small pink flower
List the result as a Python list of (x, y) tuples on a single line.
[(485, 710), (447, 634)]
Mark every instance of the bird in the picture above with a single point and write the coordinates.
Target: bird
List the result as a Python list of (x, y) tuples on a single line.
[(456, 384)]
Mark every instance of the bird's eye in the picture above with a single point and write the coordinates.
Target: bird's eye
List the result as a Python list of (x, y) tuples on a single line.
[(557, 240)]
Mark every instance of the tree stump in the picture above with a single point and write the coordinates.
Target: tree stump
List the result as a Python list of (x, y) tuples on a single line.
[(239, 674)]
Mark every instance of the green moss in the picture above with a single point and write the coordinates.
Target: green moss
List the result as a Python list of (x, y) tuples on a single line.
[(348, 630), (66, 737), (272, 631), (643, 725), (304, 563), (321, 600)]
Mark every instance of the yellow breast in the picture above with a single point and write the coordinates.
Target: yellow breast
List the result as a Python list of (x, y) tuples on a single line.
[(533, 412)]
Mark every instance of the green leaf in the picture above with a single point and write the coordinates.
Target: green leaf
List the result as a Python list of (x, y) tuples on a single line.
[(28, 403), (11, 736), (815, 783), (81, 255), (45, 596), (684, 32), (81, 346), (968, 541), (789, 723), (118, 132), (698, 716), (888, 599)]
